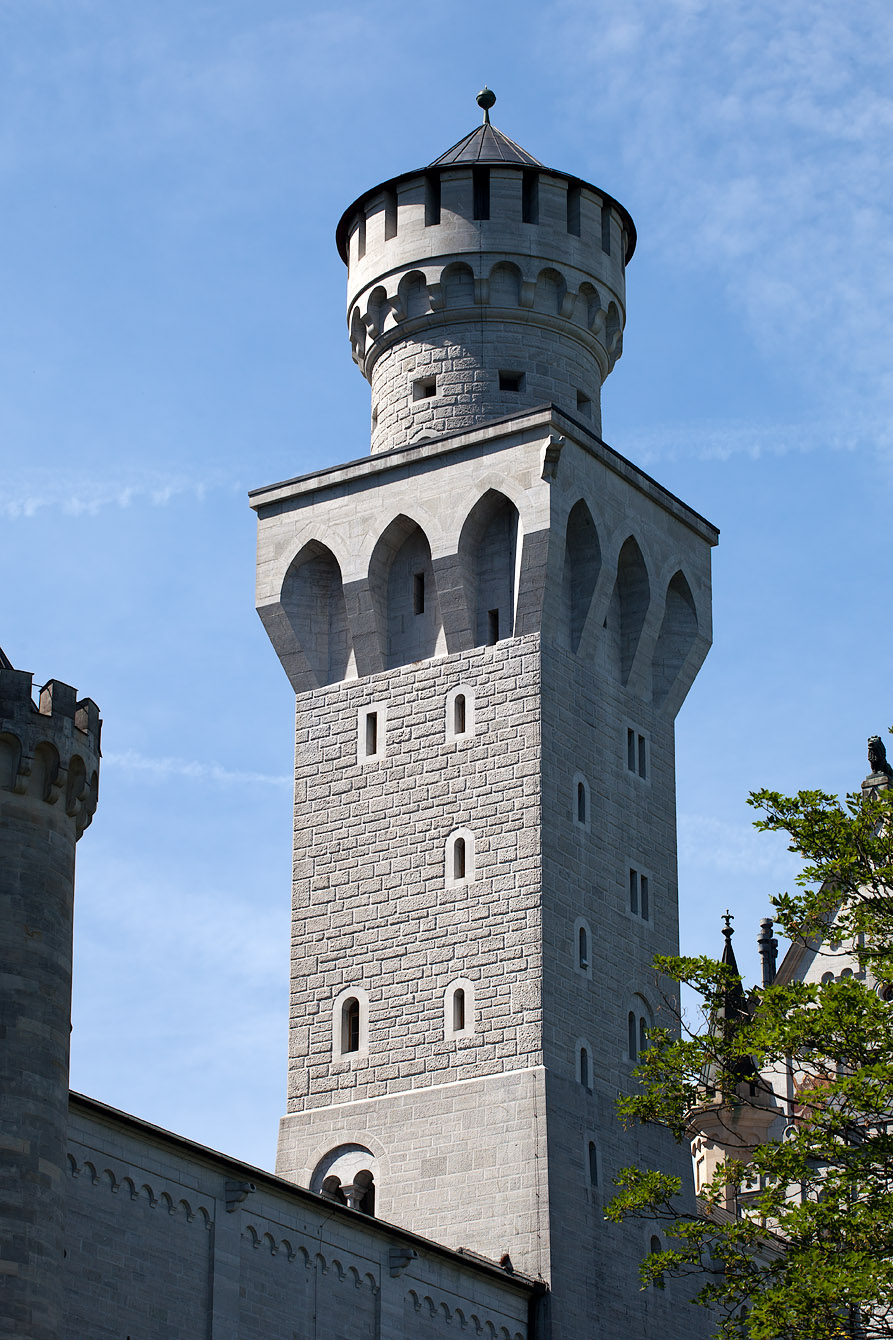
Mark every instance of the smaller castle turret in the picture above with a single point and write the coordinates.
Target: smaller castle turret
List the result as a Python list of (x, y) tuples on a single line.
[(49, 773), (483, 285)]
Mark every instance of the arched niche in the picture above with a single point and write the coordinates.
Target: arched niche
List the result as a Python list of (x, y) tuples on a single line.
[(678, 632), (488, 552), (313, 603), (505, 285), (10, 756), (588, 305), (347, 1174), (401, 577), (357, 333), (549, 292), (582, 563), (629, 606), (413, 293), (458, 285)]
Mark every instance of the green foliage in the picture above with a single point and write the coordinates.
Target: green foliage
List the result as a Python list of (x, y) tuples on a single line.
[(797, 1241)]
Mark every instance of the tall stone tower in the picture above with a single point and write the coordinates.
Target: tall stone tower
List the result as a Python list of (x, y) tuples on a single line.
[(490, 624), (49, 768)]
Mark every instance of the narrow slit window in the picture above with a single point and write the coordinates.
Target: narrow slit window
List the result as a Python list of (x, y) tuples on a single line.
[(573, 209), (459, 714), (634, 891), (459, 858), (581, 803), (390, 215), (593, 1164), (418, 593), (643, 1037), (350, 1025), (644, 901), (631, 750), (606, 230), (631, 1035), (584, 405), (492, 626), (584, 1067), (361, 236), (458, 1010), (371, 734), (530, 196), (432, 200), (511, 381), (642, 756), (480, 177), (583, 948)]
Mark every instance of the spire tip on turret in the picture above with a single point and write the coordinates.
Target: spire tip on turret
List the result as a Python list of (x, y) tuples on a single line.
[(486, 99)]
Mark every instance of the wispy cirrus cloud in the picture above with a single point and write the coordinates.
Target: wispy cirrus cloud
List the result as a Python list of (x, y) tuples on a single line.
[(36, 491), (756, 142), (163, 768)]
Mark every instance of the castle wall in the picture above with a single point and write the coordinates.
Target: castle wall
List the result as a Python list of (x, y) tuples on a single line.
[(152, 1249)]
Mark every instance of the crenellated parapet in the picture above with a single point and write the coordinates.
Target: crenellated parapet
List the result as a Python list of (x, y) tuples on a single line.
[(482, 285), (49, 750)]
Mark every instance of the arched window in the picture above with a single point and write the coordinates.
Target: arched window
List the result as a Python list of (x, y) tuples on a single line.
[(350, 1025), (459, 867), (580, 801), (460, 713), (458, 1009), (643, 1037), (638, 1024), (654, 1247), (584, 1068), (593, 1164), (582, 948)]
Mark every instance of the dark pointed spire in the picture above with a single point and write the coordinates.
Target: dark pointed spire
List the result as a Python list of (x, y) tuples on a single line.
[(486, 144)]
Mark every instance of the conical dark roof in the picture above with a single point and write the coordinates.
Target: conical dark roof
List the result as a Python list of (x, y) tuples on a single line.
[(486, 144)]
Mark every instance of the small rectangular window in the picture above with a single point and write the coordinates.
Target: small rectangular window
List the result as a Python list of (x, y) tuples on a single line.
[(530, 196), (584, 405), (606, 230), (631, 750), (424, 388), (492, 626), (643, 766), (418, 593), (511, 381), (634, 891), (480, 177), (371, 734), (573, 209), (361, 236), (432, 199), (644, 908)]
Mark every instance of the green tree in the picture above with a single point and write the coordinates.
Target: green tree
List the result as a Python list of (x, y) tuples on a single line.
[(798, 1240)]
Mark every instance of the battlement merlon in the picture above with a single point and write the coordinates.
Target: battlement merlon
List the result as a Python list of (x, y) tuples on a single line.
[(51, 747)]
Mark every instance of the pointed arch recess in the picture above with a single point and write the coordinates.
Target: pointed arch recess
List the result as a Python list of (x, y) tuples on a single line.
[(582, 564), (313, 603), (632, 595), (678, 632), (404, 591), (488, 554)]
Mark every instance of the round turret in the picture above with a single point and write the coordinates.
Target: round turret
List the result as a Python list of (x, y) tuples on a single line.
[(49, 769), (483, 285)]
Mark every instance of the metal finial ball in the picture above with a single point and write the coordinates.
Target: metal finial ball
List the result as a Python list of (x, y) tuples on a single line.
[(486, 98)]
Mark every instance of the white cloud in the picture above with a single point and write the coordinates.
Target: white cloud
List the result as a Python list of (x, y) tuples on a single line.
[(196, 770)]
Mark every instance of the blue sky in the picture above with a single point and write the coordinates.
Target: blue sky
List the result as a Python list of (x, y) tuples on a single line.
[(172, 334)]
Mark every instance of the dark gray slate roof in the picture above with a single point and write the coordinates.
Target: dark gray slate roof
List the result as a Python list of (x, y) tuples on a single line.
[(486, 144)]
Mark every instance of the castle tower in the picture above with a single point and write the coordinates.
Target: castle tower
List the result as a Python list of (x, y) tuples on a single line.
[(49, 762), (490, 624)]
